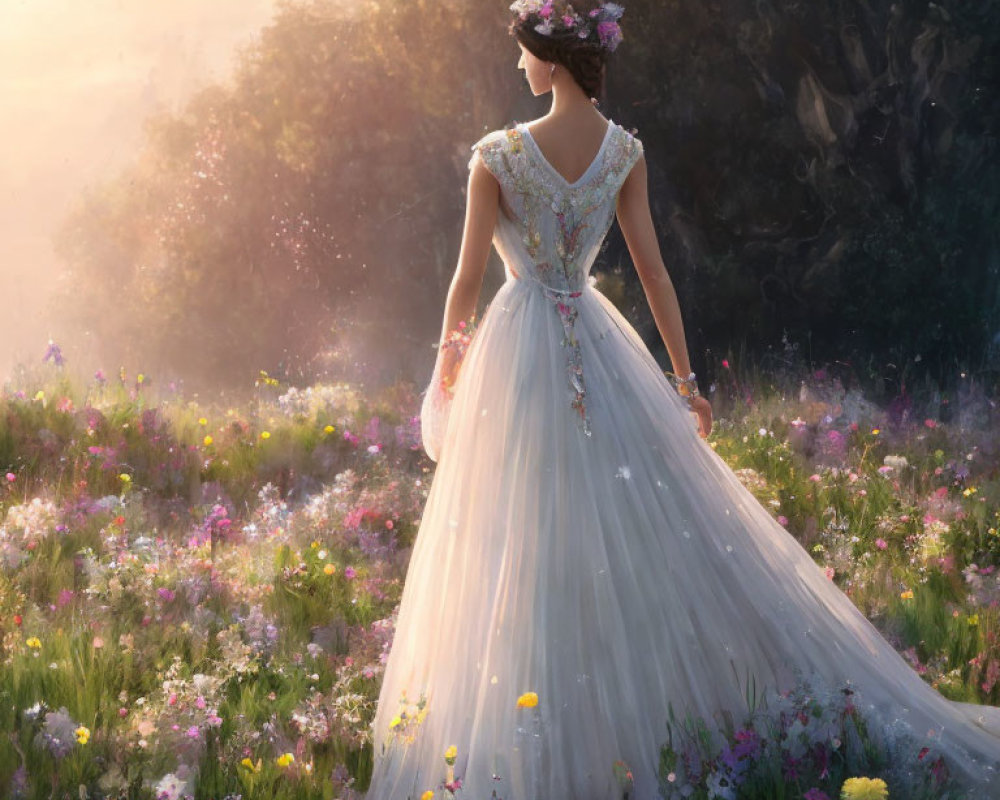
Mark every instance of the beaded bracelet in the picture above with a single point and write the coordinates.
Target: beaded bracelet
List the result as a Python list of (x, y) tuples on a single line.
[(686, 387)]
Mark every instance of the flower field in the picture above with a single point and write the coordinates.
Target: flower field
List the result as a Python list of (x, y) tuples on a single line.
[(198, 600)]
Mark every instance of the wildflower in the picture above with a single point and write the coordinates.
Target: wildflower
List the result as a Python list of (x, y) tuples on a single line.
[(202, 421), (395, 721), (34, 641), (328, 429), (349, 572), (329, 569), (830, 572), (907, 595), (864, 789), (815, 794), (55, 353), (930, 423), (265, 435), (782, 519), (881, 543), (450, 754), (427, 795), (285, 759), (82, 734), (124, 477), (207, 440), (527, 700), (875, 431), (971, 490), (973, 619)]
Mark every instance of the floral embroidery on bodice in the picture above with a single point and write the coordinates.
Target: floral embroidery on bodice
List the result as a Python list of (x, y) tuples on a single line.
[(550, 230)]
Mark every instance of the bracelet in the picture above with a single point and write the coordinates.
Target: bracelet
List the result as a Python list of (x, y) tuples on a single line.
[(686, 387), (457, 339), (460, 336)]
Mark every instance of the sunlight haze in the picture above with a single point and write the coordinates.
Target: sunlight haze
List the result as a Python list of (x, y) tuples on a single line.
[(76, 81)]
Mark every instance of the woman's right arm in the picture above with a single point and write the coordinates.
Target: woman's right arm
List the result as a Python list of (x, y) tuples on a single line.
[(482, 207)]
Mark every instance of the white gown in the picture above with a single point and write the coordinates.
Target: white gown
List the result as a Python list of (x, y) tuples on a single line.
[(581, 541)]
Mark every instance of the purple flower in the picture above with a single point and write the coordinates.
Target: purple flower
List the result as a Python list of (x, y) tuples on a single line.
[(815, 794), (349, 572), (609, 33), (54, 353)]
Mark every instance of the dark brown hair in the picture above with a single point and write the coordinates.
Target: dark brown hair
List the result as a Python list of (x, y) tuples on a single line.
[(585, 59)]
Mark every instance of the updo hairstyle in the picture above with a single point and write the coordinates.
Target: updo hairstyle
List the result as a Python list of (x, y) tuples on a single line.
[(584, 59)]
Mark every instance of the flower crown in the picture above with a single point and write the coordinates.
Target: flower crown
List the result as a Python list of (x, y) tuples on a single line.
[(602, 20)]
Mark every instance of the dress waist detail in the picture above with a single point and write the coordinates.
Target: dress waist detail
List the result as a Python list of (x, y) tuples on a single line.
[(564, 302)]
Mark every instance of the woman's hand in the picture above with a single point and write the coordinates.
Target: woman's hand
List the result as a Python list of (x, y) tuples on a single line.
[(451, 361), (703, 409)]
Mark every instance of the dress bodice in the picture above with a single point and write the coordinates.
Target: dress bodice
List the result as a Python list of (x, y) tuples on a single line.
[(549, 229)]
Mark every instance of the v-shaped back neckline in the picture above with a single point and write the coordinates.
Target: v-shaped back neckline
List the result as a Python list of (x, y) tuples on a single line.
[(548, 165)]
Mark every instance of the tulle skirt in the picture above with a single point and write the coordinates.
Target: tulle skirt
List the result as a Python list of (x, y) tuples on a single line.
[(608, 576)]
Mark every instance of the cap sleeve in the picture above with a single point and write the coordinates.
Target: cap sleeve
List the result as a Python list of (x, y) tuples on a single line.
[(632, 152), (490, 149)]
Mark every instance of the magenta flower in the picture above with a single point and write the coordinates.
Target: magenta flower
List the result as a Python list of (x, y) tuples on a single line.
[(782, 520), (881, 543), (349, 572)]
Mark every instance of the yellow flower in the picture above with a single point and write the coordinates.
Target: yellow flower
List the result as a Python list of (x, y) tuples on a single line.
[(140, 377), (82, 734), (329, 569), (875, 431), (973, 619), (285, 759), (395, 720), (202, 421), (265, 435), (34, 641), (967, 492), (864, 789), (328, 429), (124, 477), (907, 595), (246, 762), (207, 440), (527, 700), (450, 754), (428, 795)]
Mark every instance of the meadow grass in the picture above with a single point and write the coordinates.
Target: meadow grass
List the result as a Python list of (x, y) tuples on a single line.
[(198, 600)]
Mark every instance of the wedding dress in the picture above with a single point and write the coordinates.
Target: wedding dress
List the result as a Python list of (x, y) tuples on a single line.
[(580, 541)]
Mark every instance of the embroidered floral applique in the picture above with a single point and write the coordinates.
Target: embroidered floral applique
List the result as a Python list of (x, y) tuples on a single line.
[(583, 211)]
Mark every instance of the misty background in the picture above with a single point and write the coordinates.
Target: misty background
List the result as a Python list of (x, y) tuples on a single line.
[(77, 80), (198, 192)]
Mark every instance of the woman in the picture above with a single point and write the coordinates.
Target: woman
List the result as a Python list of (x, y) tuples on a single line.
[(585, 560)]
